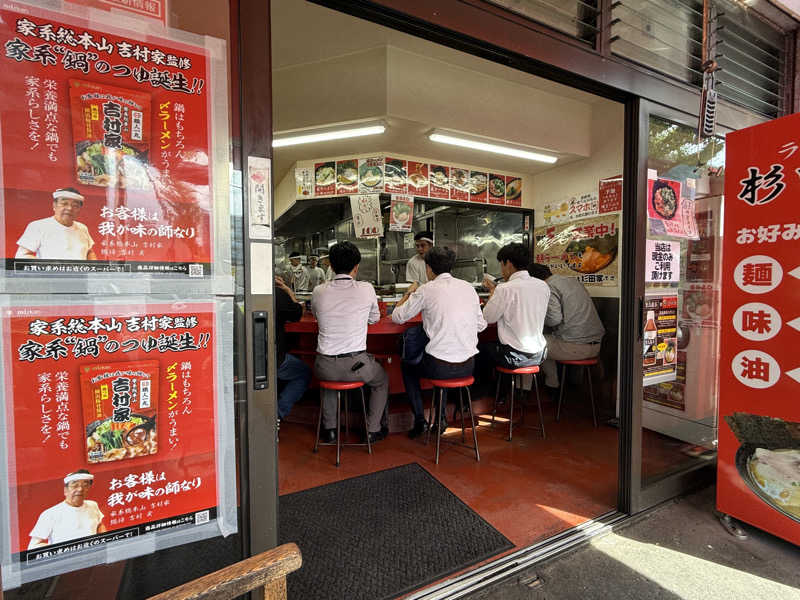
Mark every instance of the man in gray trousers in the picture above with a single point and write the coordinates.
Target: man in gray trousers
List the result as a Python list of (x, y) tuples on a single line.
[(343, 308)]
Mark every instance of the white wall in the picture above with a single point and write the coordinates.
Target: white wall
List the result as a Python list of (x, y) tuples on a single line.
[(606, 160)]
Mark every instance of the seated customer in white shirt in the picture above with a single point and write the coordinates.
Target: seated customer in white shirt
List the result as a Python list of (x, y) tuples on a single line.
[(343, 308), (451, 318), (59, 237), (519, 307), (416, 271)]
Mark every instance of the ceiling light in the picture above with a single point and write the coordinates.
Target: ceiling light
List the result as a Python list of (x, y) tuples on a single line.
[(318, 135), (486, 146)]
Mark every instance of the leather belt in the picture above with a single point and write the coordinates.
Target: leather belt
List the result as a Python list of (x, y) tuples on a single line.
[(345, 355)]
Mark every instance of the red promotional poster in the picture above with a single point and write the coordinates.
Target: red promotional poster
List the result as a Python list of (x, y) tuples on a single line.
[(346, 177), (417, 178), (154, 9), (440, 182), (759, 373), (325, 179), (401, 213), (106, 149), (609, 197), (459, 184), (497, 189), (513, 191), (395, 172), (478, 186), (113, 413)]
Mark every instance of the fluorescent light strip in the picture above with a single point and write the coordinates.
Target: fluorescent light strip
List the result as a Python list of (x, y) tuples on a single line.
[(338, 134), (486, 147)]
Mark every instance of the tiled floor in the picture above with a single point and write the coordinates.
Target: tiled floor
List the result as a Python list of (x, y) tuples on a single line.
[(529, 489)]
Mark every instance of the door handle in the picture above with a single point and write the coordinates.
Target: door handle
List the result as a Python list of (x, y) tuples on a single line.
[(260, 350)]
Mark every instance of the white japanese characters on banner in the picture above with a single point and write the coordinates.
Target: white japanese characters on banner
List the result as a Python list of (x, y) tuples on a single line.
[(367, 219), (663, 261), (582, 206)]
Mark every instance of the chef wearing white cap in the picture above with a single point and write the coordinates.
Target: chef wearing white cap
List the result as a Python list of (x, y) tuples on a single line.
[(59, 237), (416, 270), (74, 518)]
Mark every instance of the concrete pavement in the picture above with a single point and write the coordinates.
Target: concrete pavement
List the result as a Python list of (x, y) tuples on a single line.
[(676, 551)]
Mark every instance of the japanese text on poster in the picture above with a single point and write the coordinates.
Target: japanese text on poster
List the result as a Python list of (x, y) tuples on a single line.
[(114, 423), (660, 339), (663, 261), (105, 149), (585, 249), (401, 212), (367, 219)]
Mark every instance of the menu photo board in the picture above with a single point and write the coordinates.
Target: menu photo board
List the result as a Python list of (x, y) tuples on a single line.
[(585, 249), (116, 431), (759, 368), (106, 149), (660, 339), (418, 178)]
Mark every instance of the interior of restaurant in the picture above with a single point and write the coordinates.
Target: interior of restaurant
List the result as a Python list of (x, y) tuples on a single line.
[(358, 74)]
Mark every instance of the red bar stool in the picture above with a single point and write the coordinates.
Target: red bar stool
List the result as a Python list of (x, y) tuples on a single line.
[(532, 370), (441, 385), (341, 387), (585, 365)]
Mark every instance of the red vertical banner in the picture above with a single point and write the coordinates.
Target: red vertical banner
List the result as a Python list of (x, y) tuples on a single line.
[(106, 149), (759, 425), (120, 397)]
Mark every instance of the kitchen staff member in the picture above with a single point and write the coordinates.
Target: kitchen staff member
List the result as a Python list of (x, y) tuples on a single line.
[(343, 308), (74, 518), (577, 328), (325, 263), (300, 277), (416, 271), (519, 307), (315, 274), (451, 318), (59, 237)]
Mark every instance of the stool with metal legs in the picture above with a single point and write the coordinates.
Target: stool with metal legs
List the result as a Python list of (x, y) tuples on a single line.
[(441, 385), (586, 365), (341, 387), (514, 373)]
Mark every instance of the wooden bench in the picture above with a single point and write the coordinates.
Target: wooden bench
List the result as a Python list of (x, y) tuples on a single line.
[(263, 574)]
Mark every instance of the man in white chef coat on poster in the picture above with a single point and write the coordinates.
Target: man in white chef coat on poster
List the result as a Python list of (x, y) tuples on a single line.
[(75, 517), (60, 237)]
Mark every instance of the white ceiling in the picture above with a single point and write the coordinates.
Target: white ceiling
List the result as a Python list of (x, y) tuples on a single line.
[(329, 67)]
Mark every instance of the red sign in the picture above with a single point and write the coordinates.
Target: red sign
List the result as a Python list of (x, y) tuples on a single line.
[(759, 425), (325, 178), (122, 123), (440, 182), (417, 178), (513, 191), (459, 184), (124, 392), (154, 9), (609, 197), (478, 186), (497, 189)]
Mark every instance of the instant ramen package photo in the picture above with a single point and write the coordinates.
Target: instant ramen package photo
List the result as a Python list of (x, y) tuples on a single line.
[(120, 405), (111, 130)]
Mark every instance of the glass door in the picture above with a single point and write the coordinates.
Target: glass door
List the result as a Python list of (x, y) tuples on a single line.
[(680, 209)]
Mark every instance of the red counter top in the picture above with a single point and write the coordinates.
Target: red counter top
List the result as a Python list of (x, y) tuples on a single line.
[(308, 324)]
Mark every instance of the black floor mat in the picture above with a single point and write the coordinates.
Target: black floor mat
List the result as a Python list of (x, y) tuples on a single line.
[(381, 535)]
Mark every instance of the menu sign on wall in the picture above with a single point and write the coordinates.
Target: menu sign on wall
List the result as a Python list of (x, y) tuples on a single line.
[(584, 249), (106, 149), (367, 219), (609, 195), (759, 431), (660, 339), (391, 175), (113, 421), (401, 213)]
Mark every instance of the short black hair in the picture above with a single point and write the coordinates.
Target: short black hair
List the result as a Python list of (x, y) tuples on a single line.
[(344, 256), (440, 260), (294, 255), (539, 271), (517, 254), (423, 234)]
